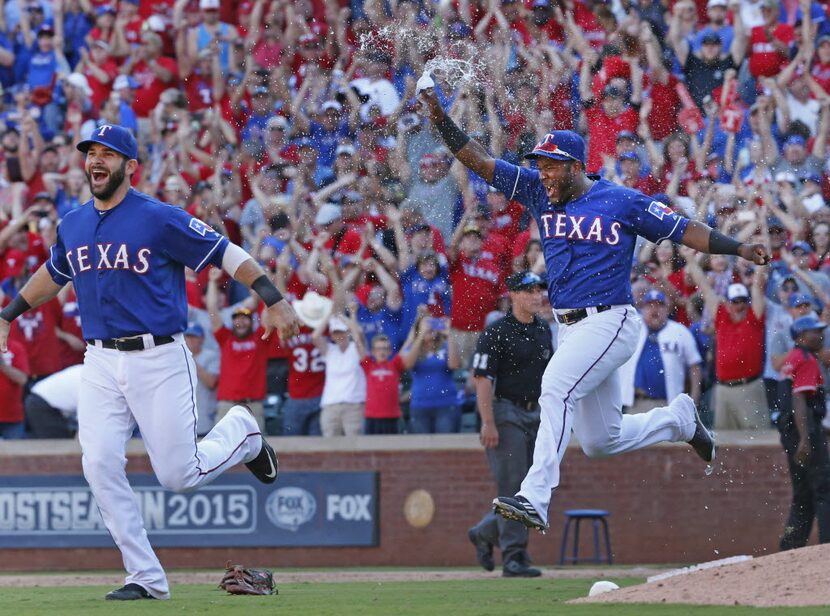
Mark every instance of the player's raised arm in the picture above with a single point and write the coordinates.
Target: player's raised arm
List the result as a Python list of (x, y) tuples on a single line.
[(38, 290), (279, 313), (468, 151), (703, 238)]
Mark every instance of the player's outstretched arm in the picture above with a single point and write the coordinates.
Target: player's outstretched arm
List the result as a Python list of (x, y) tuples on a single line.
[(279, 313), (703, 238), (468, 151), (40, 289)]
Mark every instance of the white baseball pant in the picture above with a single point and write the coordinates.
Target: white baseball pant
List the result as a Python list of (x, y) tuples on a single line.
[(581, 391), (154, 389)]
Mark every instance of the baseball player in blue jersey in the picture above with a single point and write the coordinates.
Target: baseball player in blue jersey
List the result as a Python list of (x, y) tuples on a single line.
[(588, 229), (126, 252)]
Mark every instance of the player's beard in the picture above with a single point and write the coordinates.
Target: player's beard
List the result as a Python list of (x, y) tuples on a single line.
[(116, 178)]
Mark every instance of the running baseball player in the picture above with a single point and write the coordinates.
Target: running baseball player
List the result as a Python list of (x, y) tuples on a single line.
[(125, 253), (588, 228)]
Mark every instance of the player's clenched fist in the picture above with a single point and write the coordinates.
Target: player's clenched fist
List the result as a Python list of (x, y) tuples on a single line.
[(280, 316), (757, 253)]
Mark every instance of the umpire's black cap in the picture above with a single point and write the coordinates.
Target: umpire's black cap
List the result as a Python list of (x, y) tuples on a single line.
[(522, 281)]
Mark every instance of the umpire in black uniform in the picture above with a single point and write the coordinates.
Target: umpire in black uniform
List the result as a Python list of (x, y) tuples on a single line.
[(508, 364)]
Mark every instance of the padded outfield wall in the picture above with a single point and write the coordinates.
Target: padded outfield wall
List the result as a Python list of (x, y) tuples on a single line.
[(422, 493)]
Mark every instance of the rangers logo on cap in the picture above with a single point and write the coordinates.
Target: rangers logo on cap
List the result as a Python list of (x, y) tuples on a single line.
[(114, 137), (560, 145)]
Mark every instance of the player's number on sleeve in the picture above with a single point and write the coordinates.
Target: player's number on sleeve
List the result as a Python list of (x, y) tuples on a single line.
[(480, 361), (308, 361)]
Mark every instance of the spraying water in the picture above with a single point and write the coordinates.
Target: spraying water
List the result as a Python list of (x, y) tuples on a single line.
[(458, 67)]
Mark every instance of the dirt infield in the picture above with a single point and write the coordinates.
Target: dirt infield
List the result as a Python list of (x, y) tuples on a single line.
[(787, 579), (287, 577)]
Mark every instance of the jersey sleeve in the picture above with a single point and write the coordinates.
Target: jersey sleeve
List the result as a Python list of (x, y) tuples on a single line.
[(518, 183), (192, 242), (656, 221), (57, 264), (486, 356)]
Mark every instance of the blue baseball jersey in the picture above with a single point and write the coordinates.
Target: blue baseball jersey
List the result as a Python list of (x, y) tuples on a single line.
[(589, 242), (127, 264)]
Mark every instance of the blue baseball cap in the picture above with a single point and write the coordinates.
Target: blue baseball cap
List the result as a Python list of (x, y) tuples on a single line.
[(795, 140), (799, 299), (654, 296), (560, 145), (629, 156), (194, 329), (802, 246), (805, 324), (115, 138)]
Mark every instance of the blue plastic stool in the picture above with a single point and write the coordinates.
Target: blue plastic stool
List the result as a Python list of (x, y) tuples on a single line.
[(596, 516)]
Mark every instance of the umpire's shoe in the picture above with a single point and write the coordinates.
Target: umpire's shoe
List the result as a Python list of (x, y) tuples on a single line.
[(265, 466), (129, 592), (703, 441), (484, 550), (518, 568), (518, 508)]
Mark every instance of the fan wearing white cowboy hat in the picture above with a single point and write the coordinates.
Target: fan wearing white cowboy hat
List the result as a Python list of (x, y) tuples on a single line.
[(306, 369), (344, 393)]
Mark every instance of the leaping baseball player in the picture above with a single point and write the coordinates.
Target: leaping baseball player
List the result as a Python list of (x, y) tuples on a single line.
[(588, 228), (126, 252)]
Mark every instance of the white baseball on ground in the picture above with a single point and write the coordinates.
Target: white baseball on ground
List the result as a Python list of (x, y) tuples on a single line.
[(601, 587), (424, 81)]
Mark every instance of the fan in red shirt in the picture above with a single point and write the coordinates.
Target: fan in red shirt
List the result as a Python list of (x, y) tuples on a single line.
[(243, 356), (476, 284), (821, 67), (129, 21), (383, 379), (203, 83), (505, 215), (306, 369), (99, 69), (770, 44), (69, 332), (14, 371), (35, 330), (341, 240), (740, 397), (616, 112), (153, 72), (677, 160)]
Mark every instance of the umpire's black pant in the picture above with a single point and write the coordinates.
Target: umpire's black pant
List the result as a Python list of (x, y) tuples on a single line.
[(509, 463), (810, 483)]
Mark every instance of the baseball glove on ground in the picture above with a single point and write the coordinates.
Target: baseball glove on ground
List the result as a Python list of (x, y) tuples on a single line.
[(239, 580)]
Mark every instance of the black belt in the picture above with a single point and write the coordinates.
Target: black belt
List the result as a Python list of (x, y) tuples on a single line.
[(529, 406), (569, 317), (131, 344), (641, 395), (736, 382)]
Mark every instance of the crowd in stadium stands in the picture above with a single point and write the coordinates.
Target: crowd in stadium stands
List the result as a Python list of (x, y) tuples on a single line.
[(291, 126)]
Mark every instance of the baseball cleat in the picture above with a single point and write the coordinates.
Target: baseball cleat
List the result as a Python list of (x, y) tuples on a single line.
[(703, 441), (484, 550), (265, 466), (518, 508), (128, 592)]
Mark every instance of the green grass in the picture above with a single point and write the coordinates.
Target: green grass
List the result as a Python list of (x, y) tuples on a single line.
[(497, 597)]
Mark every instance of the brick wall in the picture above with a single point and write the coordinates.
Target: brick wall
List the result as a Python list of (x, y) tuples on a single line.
[(663, 508)]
